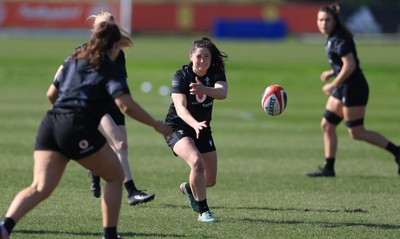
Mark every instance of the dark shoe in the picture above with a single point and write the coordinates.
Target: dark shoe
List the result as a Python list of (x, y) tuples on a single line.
[(139, 197), (3, 232), (190, 197), (322, 172), (397, 159), (95, 188)]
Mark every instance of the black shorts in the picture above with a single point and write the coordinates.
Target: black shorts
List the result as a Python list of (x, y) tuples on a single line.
[(117, 116), (204, 143), (354, 93), (74, 135)]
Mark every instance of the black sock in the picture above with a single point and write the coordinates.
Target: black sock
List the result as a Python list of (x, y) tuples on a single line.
[(95, 178), (110, 232), (393, 149), (203, 207), (9, 224), (188, 189), (329, 163), (130, 187)]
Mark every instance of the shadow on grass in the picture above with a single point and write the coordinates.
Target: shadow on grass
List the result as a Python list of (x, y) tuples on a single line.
[(326, 224), (124, 234), (356, 210)]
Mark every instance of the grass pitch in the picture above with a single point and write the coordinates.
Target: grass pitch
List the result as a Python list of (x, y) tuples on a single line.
[(262, 190)]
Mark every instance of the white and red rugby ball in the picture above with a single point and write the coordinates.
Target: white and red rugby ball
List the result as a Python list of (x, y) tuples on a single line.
[(274, 100)]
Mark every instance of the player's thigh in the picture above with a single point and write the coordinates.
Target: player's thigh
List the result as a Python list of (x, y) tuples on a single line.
[(48, 169), (334, 105), (111, 131), (353, 113), (186, 149), (104, 163)]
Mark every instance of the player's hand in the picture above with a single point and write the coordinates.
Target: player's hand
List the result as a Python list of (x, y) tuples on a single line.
[(326, 75), (197, 87), (198, 127), (163, 128), (328, 88)]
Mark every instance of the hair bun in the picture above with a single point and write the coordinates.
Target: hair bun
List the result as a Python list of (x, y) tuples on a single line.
[(335, 8)]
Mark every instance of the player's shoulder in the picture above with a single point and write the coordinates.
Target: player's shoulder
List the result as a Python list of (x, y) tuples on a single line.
[(217, 74), (182, 72)]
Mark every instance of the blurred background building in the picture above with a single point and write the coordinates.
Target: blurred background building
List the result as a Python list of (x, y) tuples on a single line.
[(269, 19)]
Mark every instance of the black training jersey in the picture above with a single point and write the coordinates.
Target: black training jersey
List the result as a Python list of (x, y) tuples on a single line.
[(337, 46), (120, 60), (114, 111), (200, 106), (81, 88)]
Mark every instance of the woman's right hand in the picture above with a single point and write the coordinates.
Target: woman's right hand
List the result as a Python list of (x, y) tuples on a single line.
[(163, 128)]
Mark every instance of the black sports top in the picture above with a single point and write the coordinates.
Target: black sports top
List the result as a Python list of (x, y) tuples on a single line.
[(200, 106), (81, 88), (120, 60), (337, 46)]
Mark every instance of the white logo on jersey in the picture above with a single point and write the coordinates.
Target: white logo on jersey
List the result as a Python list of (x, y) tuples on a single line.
[(207, 80)]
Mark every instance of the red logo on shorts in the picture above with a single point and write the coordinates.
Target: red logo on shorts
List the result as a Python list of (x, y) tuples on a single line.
[(83, 144)]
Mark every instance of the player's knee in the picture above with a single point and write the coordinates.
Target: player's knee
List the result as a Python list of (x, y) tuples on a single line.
[(355, 131), (327, 126), (121, 145), (198, 165), (40, 192), (331, 120), (355, 134), (121, 177), (117, 176)]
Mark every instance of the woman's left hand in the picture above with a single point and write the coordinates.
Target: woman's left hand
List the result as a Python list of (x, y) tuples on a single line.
[(197, 87), (328, 88)]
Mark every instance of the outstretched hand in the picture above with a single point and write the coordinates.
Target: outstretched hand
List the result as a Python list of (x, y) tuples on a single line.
[(163, 128), (326, 75), (198, 127), (197, 87)]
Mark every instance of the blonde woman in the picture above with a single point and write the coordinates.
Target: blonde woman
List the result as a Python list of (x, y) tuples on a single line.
[(88, 85)]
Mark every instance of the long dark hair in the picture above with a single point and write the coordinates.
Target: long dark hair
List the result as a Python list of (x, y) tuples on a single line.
[(334, 11), (103, 39), (217, 57)]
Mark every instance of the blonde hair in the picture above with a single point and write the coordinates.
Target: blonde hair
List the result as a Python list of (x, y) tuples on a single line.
[(103, 16), (104, 36)]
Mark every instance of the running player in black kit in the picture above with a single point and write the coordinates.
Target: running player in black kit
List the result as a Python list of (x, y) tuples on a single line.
[(194, 88), (112, 125), (89, 83), (348, 92)]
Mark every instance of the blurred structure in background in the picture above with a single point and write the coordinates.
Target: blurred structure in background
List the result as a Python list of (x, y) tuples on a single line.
[(274, 19)]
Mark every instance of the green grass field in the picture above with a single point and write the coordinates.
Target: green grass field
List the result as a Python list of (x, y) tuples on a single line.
[(262, 190)]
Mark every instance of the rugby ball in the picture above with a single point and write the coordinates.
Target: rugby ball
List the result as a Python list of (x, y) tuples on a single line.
[(274, 100)]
